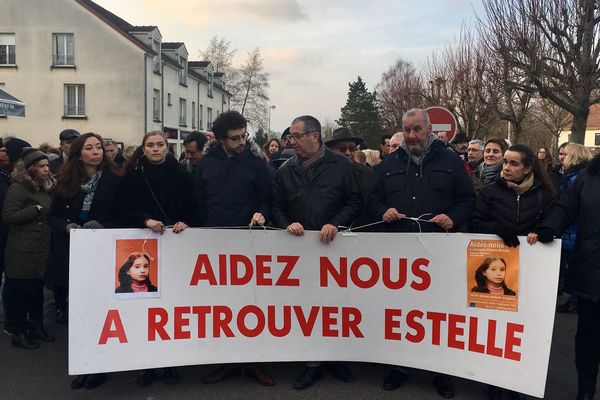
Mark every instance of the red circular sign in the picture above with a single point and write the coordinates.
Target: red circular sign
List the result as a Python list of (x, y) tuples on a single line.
[(442, 120)]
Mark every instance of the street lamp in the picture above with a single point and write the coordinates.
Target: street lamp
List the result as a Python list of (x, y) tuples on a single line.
[(270, 108)]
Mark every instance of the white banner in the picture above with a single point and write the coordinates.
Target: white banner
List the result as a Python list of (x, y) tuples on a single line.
[(460, 304)]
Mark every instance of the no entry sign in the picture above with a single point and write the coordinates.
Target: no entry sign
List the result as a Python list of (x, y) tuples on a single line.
[(442, 120)]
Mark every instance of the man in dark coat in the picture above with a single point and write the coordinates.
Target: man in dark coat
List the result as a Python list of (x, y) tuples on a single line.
[(422, 179), (344, 142), (66, 137), (233, 185), (581, 205), (315, 190), (233, 188), (194, 150)]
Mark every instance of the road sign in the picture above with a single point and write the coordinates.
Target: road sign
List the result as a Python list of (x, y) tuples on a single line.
[(442, 120)]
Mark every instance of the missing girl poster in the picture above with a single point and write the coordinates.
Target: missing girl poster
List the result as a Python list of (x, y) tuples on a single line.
[(136, 268), (492, 275)]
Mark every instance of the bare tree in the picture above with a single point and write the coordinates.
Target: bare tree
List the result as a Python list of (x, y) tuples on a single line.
[(511, 103), (555, 46), (456, 75), (220, 55), (399, 90), (552, 118), (249, 90)]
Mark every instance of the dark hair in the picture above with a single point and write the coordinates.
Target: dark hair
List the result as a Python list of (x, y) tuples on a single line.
[(530, 160), (72, 174), (480, 279), (311, 124), (226, 121), (139, 152), (198, 137), (548, 160), (124, 279), (268, 144), (499, 142), (383, 138)]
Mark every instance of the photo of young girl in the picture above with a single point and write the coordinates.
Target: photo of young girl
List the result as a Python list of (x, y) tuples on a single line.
[(136, 269), (134, 275), (490, 277)]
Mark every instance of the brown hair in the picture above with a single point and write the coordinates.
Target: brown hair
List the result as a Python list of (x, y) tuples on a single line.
[(72, 174)]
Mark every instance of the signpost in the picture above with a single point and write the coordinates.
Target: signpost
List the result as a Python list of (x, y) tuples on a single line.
[(442, 120)]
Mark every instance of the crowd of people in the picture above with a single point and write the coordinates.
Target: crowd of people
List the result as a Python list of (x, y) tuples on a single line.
[(300, 182)]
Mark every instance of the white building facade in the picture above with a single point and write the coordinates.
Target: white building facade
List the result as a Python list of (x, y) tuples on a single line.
[(76, 65)]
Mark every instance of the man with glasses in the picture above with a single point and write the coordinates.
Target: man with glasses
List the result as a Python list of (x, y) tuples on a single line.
[(233, 189), (474, 154), (345, 143), (315, 190)]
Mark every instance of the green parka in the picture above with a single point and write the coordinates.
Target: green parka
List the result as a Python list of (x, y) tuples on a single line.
[(28, 244)]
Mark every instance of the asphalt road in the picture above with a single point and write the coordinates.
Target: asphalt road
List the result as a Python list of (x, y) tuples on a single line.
[(42, 374)]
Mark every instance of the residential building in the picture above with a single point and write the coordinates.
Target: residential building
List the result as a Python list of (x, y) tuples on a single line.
[(592, 132), (77, 65)]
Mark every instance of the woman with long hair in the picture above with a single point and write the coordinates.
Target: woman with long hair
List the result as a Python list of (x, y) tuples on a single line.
[(272, 146), (546, 157), (576, 159), (84, 199), (25, 211), (490, 168), (156, 193), (514, 204)]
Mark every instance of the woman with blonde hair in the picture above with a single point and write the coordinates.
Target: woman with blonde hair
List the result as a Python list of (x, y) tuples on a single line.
[(576, 159), (372, 157)]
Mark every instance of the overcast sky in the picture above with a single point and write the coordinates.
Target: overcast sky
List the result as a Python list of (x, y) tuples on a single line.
[(311, 48)]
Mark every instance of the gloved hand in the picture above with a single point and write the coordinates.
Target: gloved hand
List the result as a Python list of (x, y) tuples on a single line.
[(70, 226), (545, 235), (92, 225), (509, 236)]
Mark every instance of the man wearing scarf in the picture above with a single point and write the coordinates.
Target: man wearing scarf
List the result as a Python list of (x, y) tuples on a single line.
[(315, 190), (423, 179)]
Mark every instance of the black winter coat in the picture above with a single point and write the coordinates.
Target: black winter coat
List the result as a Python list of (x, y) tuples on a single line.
[(499, 208), (331, 197), (65, 211), (440, 186), (581, 205), (172, 186), (229, 190)]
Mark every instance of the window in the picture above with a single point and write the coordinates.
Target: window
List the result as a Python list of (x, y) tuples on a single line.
[(597, 139), (210, 85), (200, 116), (7, 49), (182, 112), (208, 118), (156, 58), (63, 49), (193, 114), (156, 105), (169, 100), (74, 100), (183, 70)]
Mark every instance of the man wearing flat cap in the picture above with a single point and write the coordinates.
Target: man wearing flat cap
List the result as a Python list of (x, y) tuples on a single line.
[(345, 143), (66, 137)]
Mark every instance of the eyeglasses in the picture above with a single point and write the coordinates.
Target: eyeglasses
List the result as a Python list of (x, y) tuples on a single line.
[(343, 149), (297, 136), (477, 150), (238, 138)]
